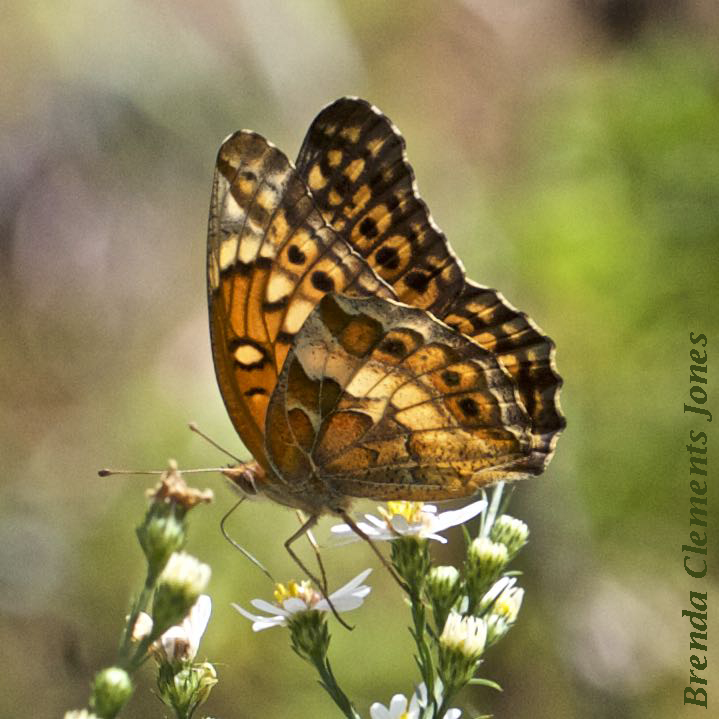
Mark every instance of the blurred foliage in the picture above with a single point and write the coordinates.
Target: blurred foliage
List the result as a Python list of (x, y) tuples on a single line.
[(570, 150)]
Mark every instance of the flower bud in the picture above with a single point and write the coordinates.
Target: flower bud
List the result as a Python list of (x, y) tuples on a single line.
[(442, 588), (511, 532), (410, 557), (111, 689), (461, 645), (503, 613), (485, 561), (181, 583), (159, 537), (187, 688)]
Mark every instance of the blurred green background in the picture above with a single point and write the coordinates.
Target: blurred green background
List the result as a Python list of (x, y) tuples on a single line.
[(570, 151)]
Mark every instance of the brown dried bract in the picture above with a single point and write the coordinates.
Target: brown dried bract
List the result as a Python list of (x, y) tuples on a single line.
[(173, 488)]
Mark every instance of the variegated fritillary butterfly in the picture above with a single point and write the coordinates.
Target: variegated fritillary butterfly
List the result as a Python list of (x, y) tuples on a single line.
[(354, 357)]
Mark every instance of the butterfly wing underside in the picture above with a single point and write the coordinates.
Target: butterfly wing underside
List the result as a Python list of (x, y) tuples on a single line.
[(354, 161), (271, 258), (381, 400)]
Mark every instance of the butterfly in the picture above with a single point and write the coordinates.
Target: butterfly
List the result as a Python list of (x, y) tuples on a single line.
[(355, 358)]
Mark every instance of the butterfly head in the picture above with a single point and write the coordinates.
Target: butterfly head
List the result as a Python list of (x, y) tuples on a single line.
[(246, 478)]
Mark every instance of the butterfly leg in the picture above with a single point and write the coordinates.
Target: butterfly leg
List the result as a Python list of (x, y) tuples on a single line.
[(239, 547), (316, 549), (304, 529), (362, 535)]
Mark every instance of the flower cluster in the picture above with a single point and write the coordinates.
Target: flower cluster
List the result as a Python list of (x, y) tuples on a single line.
[(169, 615), (472, 606)]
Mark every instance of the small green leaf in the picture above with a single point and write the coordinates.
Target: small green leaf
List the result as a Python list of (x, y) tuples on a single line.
[(478, 681)]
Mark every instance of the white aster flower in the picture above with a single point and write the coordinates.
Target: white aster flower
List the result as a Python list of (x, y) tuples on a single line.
[(296, 597), (398, 708), (80, 714), (181, 641), (409, 519), (500, 586)]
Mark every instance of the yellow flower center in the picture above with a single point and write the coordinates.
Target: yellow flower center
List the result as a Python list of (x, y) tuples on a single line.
[(411, 511), (294, 590)]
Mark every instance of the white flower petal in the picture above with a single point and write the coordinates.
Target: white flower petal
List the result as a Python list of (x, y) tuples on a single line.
[(437, 538), (352, 584), (379, 523), (400, 524), (453, 714), (397, 706), (268, 607), (268, 623), (457, 516), (293, 605), (379, 711)]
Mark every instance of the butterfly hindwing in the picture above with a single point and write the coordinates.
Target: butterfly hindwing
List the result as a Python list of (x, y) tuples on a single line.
[(381, 400), (271, 258), (354, 160)]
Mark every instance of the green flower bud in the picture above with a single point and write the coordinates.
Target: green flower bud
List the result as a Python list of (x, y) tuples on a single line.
[(181, 583), (187, 688), (442, 588), (485, 561), (309, 634), (111, 689), (511, 532), (410, 557), (159, 537)]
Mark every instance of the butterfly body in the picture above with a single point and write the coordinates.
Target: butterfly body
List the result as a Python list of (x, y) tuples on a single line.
[(354, 357)]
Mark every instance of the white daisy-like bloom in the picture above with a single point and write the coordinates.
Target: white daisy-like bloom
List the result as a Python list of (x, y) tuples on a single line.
[(400, 709), (467, 635), (80, 714), (409, 519), (182, 641), (296, 597), (492, 595)]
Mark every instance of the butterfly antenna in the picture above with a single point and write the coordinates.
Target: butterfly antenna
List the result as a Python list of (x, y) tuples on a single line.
[(194, 428), (111, 472), (238, 546)]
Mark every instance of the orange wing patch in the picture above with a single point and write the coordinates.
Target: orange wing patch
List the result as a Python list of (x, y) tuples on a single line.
[(390, 424)]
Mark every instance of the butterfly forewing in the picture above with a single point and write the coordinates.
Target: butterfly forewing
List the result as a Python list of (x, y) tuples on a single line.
[(381, 400), (271, 258), (354, 160)]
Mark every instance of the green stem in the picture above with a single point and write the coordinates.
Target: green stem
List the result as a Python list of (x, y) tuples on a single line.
[(330, 684), (126, 655), (426, 664)]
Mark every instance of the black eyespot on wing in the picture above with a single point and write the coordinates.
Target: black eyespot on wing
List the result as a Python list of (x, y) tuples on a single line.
[(417, 281), (450, 378), (468, 406), (295, 255), (396, 348), (322, 281), (387, 257), (368, 227)]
